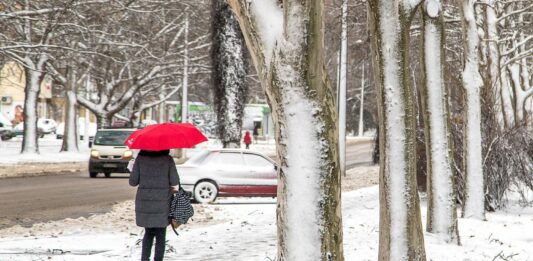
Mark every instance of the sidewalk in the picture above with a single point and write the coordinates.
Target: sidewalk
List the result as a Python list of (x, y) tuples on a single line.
[(48, 161)]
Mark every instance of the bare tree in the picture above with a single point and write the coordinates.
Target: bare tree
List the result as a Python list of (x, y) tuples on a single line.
[(401, 236), (287, 46), (442, 210), (472, 83), (229, 74), (28, 30)]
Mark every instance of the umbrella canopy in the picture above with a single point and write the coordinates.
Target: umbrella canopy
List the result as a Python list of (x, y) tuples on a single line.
[(165, 136)]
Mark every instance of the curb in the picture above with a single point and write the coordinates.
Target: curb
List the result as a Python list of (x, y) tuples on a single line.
[(33, 169)]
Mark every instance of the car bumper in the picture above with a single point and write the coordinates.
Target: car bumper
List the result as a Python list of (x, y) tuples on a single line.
[(187, 187), (108, 165)]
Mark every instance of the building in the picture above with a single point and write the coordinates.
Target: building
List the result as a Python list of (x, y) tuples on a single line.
[(12, 82)]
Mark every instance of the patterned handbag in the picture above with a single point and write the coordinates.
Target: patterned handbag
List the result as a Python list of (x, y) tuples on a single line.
[(181, 209)]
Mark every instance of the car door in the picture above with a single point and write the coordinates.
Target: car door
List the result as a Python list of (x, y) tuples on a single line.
[(229, 172), (262, 175)]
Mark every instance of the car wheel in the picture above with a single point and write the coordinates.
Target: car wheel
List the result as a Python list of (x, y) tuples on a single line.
[(107, 174), (205, 192), (93, 174)]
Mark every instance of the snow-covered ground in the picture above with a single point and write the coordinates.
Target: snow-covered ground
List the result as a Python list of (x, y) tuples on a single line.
[(49, 148), (245, 229)]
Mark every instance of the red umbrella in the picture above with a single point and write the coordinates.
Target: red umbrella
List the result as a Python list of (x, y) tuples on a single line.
[(165, 136)]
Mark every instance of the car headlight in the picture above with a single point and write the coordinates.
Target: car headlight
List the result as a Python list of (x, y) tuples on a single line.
[(95, 154), (127, 154)]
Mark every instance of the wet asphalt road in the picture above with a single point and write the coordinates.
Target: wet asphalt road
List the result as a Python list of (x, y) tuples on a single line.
[(28, 200)]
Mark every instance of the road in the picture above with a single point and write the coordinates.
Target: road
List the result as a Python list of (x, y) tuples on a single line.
[(25, 201)]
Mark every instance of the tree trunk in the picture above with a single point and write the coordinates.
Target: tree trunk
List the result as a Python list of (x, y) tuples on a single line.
[(474, 206), (32, 89), (292, 72), (229, 74), (70, 135), (400, 226), (493, 61), (441, 211), (104, 120)]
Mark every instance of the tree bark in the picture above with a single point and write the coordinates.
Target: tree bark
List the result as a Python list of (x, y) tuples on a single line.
[(400, 226), (70, 138), (294, 78), (229, 74), (474, 206), (34, 76), (441, 211)]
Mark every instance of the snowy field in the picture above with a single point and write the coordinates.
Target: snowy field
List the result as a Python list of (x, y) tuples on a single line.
[(245, 229)]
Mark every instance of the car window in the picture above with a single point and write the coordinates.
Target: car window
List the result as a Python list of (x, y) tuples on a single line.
[(226, 159), (111, 138), (257, 161)]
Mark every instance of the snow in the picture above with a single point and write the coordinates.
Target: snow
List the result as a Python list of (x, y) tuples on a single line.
[(245, 229), (269, 18), (395, 163), (442, 186), (433, 8), (302, 167), (49, 152)]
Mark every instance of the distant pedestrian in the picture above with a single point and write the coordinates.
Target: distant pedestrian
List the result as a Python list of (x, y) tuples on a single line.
[(256, 132), (155, 172), (247, 139)]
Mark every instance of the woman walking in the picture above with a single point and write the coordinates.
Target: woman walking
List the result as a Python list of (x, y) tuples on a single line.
[(247, 139), (154, 172)]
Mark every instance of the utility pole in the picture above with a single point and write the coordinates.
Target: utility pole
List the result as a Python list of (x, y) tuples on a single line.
[(86, 122), (362, 100), (184, 101), (342, 89)]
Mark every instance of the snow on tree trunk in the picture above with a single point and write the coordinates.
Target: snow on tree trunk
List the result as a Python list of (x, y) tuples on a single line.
[(229, 74), (34, 76), (287, 46), (493, 60), (400, 228), (474, 206), (70, 137), (104, 120), (441, 211)]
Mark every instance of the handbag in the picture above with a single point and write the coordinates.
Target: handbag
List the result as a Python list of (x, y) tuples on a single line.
[(181, 209)]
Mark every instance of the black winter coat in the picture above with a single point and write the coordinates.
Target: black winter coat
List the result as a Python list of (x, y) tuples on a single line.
[(154, 175)]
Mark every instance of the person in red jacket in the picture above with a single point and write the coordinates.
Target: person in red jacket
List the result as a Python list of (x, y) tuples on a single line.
[(247, 139)]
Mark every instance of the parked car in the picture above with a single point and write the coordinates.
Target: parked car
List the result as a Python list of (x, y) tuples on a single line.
[(6, 132), (18, 130), (47, 125), (228, 173), (108, 152), (60, 132)]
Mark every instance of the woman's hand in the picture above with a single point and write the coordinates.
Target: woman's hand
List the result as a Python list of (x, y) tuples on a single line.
[(174, 189)]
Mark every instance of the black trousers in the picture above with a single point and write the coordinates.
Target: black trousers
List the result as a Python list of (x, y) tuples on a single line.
[(148, 240)]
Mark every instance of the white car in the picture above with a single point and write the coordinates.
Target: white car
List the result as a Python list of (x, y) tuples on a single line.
[(81, 129), (47, 125), (228, 173)]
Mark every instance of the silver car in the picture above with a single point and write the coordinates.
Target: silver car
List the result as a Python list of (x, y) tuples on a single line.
[(228, 173)]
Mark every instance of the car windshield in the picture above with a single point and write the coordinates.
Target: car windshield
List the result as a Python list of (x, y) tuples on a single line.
[(198, 157), (111, 138)]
